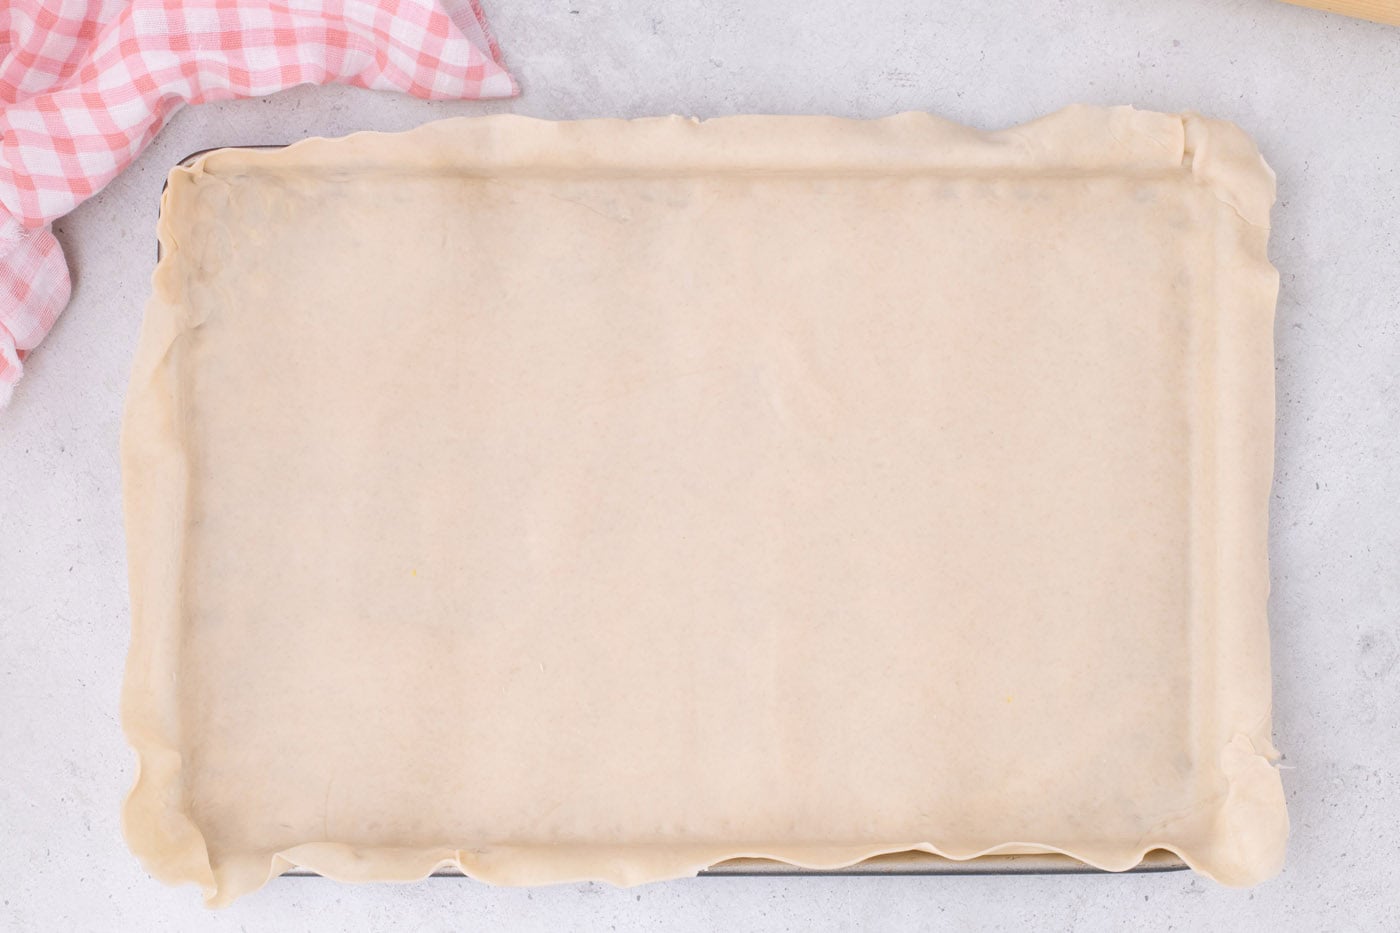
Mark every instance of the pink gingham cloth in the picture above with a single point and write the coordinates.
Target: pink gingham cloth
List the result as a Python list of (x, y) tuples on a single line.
[(86, 84)]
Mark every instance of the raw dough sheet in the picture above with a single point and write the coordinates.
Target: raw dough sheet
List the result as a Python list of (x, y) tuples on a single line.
[(602, 500)]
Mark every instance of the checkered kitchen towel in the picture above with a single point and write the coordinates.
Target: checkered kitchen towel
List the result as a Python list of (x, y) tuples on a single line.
[(86, 84)]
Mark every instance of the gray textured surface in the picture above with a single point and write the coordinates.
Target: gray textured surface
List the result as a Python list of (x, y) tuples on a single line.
[(1320, 94)]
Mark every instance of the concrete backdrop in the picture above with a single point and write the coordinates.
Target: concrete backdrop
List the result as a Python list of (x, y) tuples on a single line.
[(1320, 94)]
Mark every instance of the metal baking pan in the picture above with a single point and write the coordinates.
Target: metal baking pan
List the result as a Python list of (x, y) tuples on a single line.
[(904, 863), (894, 863)]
